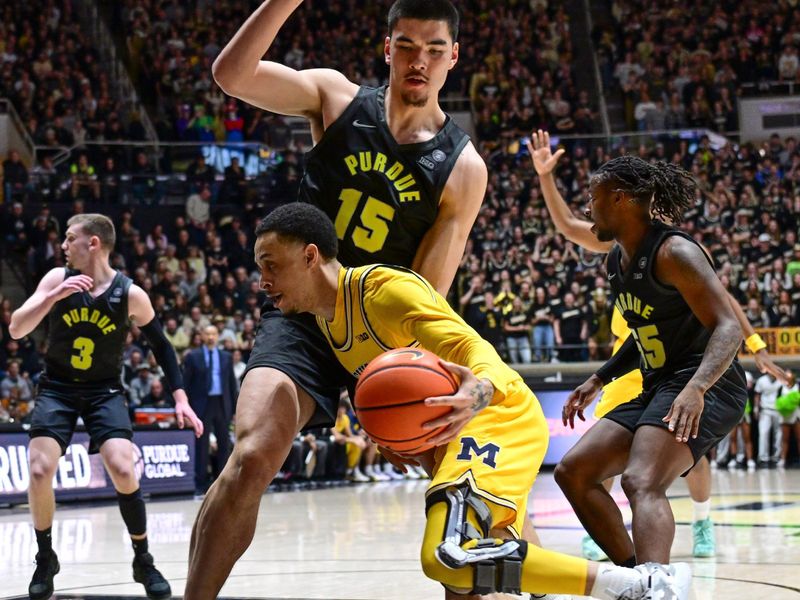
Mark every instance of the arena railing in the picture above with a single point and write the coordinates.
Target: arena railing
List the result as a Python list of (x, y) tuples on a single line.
[(161, 178)]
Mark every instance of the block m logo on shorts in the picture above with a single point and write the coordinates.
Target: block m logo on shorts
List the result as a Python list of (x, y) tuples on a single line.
[(470, 446)]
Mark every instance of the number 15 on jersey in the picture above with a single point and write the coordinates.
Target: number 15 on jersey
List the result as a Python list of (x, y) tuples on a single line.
[(372, 226)]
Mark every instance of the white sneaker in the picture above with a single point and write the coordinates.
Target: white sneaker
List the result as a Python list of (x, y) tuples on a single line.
[(391, 473), (377, 475), (357, 476), (781, 463), (421, 472), (751, 465), (411, 473), (663, 582)]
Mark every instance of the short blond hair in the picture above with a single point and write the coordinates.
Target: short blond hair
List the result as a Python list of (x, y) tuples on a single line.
[(96, 224)]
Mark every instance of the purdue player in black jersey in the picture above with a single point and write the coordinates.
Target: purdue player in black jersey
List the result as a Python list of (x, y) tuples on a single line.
[(402, 185), (91, 307), (577, 470), (684, 333)]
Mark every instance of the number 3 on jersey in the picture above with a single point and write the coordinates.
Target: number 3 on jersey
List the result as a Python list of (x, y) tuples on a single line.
[(375, 217), (650, 347), (83, 359)]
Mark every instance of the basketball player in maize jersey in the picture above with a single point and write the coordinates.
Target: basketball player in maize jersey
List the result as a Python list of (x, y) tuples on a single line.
[(629, 386), (402, 184), (482, 477)]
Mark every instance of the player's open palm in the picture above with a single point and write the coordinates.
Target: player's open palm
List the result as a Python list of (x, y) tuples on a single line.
[(72, 285), (544, 161), (471, 397), (579, 399), (684, 414)]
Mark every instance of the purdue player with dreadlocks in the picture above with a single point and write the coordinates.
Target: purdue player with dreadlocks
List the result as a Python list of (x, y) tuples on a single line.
[(684, 340), (626, 388), (91, 306)]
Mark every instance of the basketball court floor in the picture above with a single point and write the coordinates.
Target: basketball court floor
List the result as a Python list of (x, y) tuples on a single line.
[(361, 542)]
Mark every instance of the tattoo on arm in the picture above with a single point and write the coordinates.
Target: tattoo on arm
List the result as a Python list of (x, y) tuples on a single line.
[(720, 352), (481, 395)]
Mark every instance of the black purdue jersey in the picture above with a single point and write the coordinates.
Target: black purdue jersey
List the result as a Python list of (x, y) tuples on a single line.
[(667, 333), (381, 196), (87, 335)]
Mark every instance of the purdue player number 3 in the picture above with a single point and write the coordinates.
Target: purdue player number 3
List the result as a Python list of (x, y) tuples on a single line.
[(83, 359), (375, 218)]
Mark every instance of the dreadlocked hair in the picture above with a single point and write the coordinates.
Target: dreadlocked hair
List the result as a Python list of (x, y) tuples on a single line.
[(669, 188)]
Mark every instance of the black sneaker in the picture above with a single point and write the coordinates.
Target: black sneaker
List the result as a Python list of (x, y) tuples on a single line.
[(145, 573), (47, 566)]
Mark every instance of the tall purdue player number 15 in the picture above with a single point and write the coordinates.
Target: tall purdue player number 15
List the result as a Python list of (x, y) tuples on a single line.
[(375, 218)]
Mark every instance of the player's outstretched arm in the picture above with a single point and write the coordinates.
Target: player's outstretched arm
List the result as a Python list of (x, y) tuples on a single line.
[(240, 71), (143, 315), (574, 229), (52, 288), (756, 345), (683, 265), (442, 247)]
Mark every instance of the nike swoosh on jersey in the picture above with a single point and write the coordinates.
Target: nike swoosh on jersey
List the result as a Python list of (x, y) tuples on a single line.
[(358, 123)]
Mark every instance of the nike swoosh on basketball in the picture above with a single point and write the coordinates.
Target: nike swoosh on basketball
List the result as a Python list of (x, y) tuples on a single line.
[(358, 123)]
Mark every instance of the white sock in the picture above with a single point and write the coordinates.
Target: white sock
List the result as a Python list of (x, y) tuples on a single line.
[(701, 509), (612, 580)]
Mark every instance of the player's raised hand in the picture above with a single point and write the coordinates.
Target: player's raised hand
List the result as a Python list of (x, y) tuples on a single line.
[(544, 161), (472, 396), (684, 414), (579, 399), (184, 413), (72, 285)]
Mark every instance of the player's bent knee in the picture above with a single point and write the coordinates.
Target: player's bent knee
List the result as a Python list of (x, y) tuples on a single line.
[(42, 470), (636, 484), (121, 470), (256, 460), (567, 475)]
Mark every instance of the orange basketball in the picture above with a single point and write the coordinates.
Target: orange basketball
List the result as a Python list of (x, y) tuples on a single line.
[(390, 398)]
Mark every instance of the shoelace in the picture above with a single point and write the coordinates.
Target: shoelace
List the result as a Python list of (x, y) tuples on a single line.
[(704, 533)]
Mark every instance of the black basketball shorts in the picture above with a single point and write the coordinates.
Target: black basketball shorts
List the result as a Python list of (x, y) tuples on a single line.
[(723, 410), (103, 409), (295, 346)]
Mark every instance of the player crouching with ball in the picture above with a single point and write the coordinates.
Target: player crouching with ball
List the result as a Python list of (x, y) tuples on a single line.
[(484, 467)]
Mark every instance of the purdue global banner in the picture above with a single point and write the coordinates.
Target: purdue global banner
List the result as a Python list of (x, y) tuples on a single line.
[(164, 464)]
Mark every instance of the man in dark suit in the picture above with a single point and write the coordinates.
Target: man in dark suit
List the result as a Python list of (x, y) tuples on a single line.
[(212, 388)]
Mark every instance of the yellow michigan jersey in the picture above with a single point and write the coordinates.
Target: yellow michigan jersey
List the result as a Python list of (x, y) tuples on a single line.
[(625, 388), (500, 450)]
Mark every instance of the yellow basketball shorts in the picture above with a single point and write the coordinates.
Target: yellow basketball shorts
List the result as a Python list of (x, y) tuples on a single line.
[(621, 390), (498, 453)]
